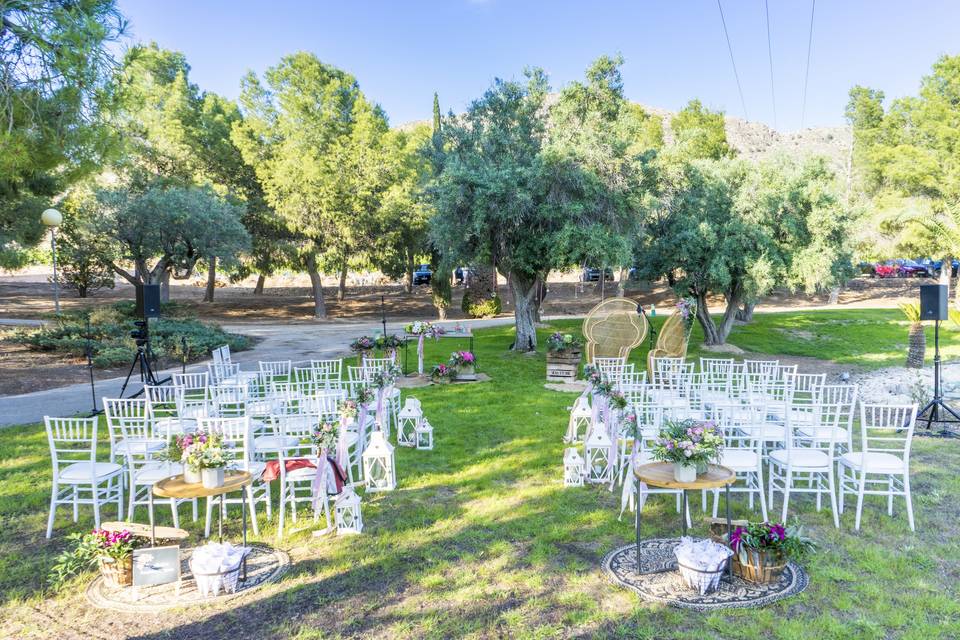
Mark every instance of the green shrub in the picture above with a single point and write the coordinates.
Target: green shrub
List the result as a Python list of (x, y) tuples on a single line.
[(482, 308), (110, 341)]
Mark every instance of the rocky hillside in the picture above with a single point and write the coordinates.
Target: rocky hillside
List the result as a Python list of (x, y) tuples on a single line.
[(755, 140)]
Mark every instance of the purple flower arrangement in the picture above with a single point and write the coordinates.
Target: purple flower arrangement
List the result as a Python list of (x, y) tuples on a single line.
[(688, 442), (363, 343), (443, 373), (462, 358), (324, 436)]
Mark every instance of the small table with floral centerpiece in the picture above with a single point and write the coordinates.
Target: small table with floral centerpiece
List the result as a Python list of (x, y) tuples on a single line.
[(175, 487), (660, 474)]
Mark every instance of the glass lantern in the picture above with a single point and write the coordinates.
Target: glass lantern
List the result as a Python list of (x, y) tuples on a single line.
[(409, 418), (597, 455), (347, 514), (423, 434), (572, 468), (379, 469)]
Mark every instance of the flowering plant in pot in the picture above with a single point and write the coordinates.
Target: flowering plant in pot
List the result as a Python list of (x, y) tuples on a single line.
[(563, 343), (690, 445), (762, 549), (443, 374), (205, 452), (362, 345), (463, 362)]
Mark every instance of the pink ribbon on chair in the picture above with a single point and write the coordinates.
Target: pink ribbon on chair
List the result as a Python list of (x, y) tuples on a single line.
[(320, 480), (362, 427), (379, 414), (343, 449)]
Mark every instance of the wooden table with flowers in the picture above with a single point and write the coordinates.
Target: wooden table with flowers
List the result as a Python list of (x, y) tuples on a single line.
[(176, 487), (660, 474)]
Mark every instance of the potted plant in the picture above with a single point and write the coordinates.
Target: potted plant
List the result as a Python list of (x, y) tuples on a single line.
[(442, 374), (690, 445), (762, 549), (206, 453), (362, 346), (563, 357), (463, 362)]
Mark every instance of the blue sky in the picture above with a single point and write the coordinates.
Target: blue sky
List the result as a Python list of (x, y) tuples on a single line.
[(401, 52)]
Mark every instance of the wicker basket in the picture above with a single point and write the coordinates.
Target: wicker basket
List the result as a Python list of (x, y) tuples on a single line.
[(116, 573), (762, 567)]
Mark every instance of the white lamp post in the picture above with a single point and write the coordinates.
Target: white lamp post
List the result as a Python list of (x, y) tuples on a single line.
[(52, 218)]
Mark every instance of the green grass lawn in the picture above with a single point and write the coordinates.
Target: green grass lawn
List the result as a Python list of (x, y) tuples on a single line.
[(482, 540)]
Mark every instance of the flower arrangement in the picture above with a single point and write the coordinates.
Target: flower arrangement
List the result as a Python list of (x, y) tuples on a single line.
[(173, 451), (563, 342), (462, 359), (385, 376), (688, 443), (113, 550), (348, 409), (443, 373), (631, 425), (424, 328), (365, 395), (202, 450), (785, 543), (324, 435), (598, 382), (617, 400), (687, 308), (361, 344), (387, 343)]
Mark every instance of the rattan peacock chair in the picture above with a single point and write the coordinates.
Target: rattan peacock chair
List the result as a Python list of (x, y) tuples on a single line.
[(613, 328), (671, 342)]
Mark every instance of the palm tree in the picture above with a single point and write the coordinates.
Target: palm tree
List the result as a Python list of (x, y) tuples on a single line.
[(918, 339)]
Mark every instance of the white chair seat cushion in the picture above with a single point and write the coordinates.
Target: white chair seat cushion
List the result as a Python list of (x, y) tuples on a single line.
[(822, 434), (801, 458), (157, 471), (739, 459), (874, 462), (138, 446), (275, 443), (81, 471), (256, 467)]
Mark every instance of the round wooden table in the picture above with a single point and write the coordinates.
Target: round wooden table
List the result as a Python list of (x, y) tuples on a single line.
[(660, 474), (175, 487)]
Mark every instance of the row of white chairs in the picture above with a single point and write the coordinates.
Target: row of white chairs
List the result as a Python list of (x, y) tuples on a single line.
[(795, 425)]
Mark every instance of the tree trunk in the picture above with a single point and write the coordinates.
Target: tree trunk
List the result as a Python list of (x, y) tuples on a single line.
[(524, 310), (712, 333), (918, 346), (342, 286), (745, 314), (261, 280), (316, 284), (165, 286), (622, 282), (408, 275), (211, 279), (540, 294)]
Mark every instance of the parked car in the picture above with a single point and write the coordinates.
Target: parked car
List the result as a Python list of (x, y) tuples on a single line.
[(937, 266), (592, 274), (422, 275), (903, 268)]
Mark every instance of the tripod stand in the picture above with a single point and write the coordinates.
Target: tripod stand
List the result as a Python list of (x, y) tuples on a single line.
[(142, 337), (935, 406)]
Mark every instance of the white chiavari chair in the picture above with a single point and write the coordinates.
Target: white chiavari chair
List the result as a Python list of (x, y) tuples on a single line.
[(844, 398), (78, 478), (882, 466), (742, 429), (238, 440)]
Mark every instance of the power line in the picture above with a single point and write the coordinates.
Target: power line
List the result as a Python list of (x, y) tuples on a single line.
[(743, 103), (806, 73), (773, 93)]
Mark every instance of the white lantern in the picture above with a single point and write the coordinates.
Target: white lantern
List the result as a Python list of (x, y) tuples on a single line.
[(379, 469), (580, 416), (572, 468), (409, 417), (423, 434), (597, 455), (347, 514)]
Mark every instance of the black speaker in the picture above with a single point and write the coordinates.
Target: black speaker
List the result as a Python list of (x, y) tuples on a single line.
[(933, 302), (148, 301)]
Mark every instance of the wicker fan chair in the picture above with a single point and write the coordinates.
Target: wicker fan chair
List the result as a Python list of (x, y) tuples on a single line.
[(613, 328), (671, 343)]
